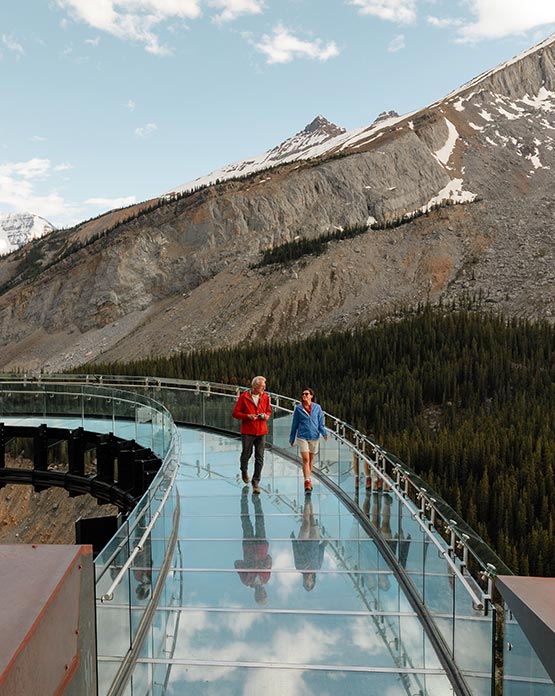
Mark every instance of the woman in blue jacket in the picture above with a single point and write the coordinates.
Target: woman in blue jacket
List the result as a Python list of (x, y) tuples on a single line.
[(307, 426)]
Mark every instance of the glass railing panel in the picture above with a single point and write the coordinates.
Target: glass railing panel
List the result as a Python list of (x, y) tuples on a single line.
[(159, 442), (345, 471), (185, 406), (113, 620), (523, 671), (124, 417), (107, 670), (117, 550), (217, 412), (328, 458), (63, 401), (17, 400), (281, 428), (474, 633)]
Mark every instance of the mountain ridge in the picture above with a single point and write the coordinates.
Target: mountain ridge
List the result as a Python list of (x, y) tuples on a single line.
[(177, 273)]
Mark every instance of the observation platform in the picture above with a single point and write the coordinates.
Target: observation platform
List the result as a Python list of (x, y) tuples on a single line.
[(206, 587)]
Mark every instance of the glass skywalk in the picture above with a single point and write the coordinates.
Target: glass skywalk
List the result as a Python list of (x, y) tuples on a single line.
[(243, 622), (206, 589)]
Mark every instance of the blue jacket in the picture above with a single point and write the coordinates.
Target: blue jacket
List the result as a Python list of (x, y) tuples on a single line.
[(307, 427)]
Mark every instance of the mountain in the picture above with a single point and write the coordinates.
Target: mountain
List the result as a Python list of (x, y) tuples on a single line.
[(459, 196), (16, 229), (304, 145)]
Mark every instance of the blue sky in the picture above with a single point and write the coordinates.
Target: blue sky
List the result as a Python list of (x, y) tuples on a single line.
[(106, 103)]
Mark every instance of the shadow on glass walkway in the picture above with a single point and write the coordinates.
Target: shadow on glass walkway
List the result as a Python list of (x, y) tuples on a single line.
[(206, 588)]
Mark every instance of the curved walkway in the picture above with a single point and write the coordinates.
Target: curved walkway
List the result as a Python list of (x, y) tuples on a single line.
[(236, 616)]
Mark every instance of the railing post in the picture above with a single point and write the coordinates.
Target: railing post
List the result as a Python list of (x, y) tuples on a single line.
[(76, 452), (40, 453)]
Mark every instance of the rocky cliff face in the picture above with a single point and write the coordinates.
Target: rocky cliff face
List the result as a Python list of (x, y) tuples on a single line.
[(177, 274)]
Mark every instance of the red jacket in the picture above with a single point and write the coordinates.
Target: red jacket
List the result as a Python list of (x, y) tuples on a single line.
[(257, 561), (246, 406)]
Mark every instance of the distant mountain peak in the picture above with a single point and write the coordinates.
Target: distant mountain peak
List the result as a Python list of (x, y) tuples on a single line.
[(385, 115), (322, 124), (16, 229), (303, 145)]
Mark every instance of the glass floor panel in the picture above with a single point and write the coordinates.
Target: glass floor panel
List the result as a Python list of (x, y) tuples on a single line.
[(181, 678), (302, 639)]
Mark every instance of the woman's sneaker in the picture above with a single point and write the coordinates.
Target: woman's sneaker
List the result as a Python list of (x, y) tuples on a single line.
[(307, 487)]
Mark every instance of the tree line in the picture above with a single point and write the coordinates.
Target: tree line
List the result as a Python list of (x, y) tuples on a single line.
[(467, 400)]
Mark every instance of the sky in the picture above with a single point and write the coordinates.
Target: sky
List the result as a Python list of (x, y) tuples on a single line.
[(111, 102)]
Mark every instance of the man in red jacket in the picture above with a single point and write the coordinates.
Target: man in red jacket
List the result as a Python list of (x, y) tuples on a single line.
[(253, 410)]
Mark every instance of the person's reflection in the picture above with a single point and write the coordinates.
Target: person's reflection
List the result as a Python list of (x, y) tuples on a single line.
[(254, 568), (308, 550)]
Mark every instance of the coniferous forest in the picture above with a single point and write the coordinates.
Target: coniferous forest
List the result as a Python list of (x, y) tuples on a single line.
[(467, 400)]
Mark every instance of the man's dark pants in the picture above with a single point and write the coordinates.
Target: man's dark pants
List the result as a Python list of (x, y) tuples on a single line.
[(258, 442)]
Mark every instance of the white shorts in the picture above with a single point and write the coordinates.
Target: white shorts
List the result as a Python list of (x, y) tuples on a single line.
[(307, 445)]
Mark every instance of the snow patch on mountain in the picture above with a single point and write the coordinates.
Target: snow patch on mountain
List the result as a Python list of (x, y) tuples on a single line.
[(443, 154), (16, 229)]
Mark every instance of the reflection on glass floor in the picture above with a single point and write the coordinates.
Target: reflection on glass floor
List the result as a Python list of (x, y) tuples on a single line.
[(280, 593)]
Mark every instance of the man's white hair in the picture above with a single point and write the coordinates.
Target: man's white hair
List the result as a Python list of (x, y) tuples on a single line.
[(258, 378)]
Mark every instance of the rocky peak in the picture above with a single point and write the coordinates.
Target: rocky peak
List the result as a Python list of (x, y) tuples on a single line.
[(309, 142), (16, 229), (321, 124), (385, 116)]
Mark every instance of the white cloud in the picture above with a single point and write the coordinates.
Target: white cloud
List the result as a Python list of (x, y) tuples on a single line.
[(63, 167), (444, 22), (231, 9), (93, 42), (401, 11), (131, 105), (11, 44), (146, 131), (498, 18), (397, 43), (37, 139), (133, 20), (31, 169), (17, 189), (283, 47), (111, 203)]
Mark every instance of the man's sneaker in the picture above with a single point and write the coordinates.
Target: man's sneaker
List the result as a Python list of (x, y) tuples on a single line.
[(307, 487), (245, 477), (255, 487)]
